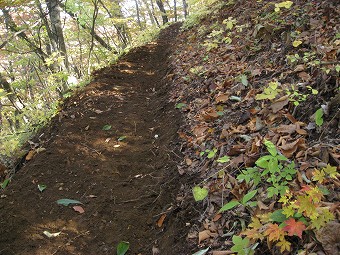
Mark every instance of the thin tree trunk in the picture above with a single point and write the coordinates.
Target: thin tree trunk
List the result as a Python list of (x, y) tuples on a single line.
[(94, 17), (185, 9), (153, 13), (87, 28), (121, 28), (175, 10), (153, 22), (21, 34), (56, 29), (162, 9), (138, 15)]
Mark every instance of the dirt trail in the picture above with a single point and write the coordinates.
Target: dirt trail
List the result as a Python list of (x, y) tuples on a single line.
[(124, 185)]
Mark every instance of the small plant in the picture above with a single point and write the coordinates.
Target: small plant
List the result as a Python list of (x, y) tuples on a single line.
[(245, 201), (241, 246), (319, 117), (297, 97), (273, 168), (210, 153), (270, 92)]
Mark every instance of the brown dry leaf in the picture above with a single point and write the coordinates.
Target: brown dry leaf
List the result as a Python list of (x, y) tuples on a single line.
[(299, 68), (203, 235), (289, 149), (304, 76), (279, 104), (30, 155), (286, 129), (188, 161), (255, 72), (78, 208), (222, 252), (236, 149), (199, 130), (217, 217), (261, 205), (161, 220), (329, 237), (209, 115), (222, 98)]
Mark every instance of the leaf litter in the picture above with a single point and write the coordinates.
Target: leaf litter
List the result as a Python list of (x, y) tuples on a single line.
[(270, 75)]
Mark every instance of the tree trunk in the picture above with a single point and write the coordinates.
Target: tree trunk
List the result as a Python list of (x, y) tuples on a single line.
[(162, 9), (153, 22), (121, 28), (42, 15), (87, 28), (94, 17), (56, 29), (138, 15), (185, 8), (175, 10), (153, 13), (14, 28)]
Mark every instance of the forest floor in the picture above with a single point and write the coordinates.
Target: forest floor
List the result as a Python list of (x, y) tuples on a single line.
[(244, 160), (112, 148)]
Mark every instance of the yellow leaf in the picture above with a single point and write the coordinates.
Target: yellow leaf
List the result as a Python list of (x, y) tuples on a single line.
[(256, 224), (288, 211), (296, 43), (331, 171), (319, 176), (284, 245)]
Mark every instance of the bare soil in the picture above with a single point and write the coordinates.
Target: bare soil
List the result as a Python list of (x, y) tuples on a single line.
[(127, 187)]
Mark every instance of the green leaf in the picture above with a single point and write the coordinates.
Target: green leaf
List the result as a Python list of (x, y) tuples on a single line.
[(106, 127), (212, 153), (199, 193), (121, 138), (244, 80), (248, 196), (224, 159), (229, 206), (180, 105), (122, 247), (201, 252), (66, 201), (318, 117), (278, 216), (296, 43), (5, 183), (270, 147), (41, 187)]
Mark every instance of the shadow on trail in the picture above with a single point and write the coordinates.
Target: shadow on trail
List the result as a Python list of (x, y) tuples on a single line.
[(125, 176)]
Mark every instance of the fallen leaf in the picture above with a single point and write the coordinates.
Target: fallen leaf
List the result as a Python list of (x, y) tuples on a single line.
[(201, 252), (304, 76), (41, 187), (294, 227), (49, 235), (122, 247), (106, 127), (66, 201), (161, 220), (278, 105), (222, 252), (78, 208), (203, 235), (199, 193), (30, 155), (222, 98)]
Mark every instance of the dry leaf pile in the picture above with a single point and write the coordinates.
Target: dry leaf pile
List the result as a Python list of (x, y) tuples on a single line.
[(256, 71)]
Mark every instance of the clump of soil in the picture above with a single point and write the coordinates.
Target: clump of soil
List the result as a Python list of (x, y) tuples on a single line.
[(113, 148)]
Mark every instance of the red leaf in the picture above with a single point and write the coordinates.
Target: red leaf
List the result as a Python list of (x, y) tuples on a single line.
[(79, 209), (294, 227)]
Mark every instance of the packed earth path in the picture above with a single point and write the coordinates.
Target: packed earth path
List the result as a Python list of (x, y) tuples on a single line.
[(113, 148)]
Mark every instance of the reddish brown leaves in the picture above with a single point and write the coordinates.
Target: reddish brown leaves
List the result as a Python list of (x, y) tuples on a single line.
[(294, 227)]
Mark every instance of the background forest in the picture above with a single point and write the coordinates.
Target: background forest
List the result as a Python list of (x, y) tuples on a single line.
[(49, 48)]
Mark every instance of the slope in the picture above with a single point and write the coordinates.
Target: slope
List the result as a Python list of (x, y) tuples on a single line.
[(112, 148)]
